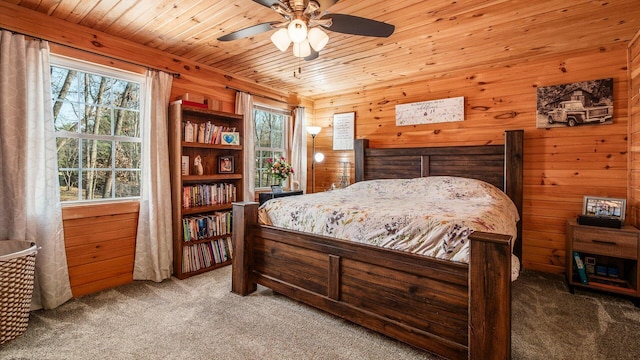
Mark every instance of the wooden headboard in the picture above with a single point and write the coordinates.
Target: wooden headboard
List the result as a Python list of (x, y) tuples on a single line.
[(500, 165)]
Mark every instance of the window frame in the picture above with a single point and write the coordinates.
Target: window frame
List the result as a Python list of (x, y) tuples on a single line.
[(285, 139), (61, 61)]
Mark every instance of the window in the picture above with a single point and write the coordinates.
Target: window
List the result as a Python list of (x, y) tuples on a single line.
[(271, 140), (96, 113)]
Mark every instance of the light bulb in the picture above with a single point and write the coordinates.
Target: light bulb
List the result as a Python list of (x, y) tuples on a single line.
[(314, 130), (281, 39), (297, 31), (318, 157), (318, 38), (301, 49)]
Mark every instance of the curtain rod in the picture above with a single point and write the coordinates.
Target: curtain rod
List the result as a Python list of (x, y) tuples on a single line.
[(174, 74), (262, 96)]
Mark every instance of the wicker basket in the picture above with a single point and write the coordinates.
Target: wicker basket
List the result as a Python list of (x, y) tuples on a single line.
[(17, 267)]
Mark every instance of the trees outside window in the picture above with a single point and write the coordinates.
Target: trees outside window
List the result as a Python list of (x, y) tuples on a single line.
[(97, 117), (270, 142)]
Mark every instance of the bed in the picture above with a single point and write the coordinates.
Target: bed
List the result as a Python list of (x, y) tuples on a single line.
[(455, 309)]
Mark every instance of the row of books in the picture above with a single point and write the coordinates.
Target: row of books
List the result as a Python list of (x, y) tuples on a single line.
[(204, 133), (203, 255), (205, 226), (208, 194)]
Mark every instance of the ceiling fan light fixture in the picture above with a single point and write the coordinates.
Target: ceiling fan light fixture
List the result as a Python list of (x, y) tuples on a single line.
[(281, 39), (318, 39), (297, 31), (301, 49)]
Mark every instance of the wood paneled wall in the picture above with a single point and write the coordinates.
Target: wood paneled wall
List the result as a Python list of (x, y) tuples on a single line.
[(561, 164), (634, 130), (100, 243)]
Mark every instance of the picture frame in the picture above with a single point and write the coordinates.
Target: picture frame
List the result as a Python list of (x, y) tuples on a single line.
[(230, 138), (226, 164), (343, 131), (601, 207)]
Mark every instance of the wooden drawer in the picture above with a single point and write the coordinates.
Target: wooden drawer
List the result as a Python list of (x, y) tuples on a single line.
[(605, 242)]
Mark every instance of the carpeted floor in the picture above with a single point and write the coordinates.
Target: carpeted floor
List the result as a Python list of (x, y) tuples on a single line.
[(198, 318)]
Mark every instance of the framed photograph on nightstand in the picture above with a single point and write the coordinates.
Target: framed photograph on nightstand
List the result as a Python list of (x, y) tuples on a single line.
[(610, 208)]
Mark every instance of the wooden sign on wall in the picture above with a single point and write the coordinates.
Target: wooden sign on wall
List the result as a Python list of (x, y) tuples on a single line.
[(428, 112)]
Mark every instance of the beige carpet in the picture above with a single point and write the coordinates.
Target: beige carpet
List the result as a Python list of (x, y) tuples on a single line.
[(199, 318)]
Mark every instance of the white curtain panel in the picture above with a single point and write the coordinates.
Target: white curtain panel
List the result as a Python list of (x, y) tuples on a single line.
[(244, 106), (299, 148), (29, 189), (154, 241)]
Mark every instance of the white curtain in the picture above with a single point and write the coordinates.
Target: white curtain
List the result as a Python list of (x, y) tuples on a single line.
[(244, 106), (154, 249), (29, 190), (299, 148)]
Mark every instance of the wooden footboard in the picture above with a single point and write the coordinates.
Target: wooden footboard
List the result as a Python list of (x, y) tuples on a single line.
[(451, 309)]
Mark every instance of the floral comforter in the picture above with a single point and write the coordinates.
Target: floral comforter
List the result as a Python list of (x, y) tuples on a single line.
[(432, 216)]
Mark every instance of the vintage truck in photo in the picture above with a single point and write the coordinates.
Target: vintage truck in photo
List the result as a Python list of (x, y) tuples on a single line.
[(573, 113)]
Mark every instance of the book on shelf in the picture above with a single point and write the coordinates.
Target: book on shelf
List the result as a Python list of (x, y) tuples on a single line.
[(208, 194), (580, 266), (204, 133), (205, 226), (207, 254)]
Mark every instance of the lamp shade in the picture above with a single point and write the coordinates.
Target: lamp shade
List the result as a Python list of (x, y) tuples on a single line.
[(297, 31), (318, 39), (301, 49), (318, 157), (314, 130), (281, 39)]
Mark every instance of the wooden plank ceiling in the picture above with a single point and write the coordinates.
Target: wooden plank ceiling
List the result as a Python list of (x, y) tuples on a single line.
[(432, 38)]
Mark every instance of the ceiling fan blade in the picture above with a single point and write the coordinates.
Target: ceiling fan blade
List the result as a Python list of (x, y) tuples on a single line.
[(266, 3), (314, 55), (247, 32), (325, 4), (355, 25)]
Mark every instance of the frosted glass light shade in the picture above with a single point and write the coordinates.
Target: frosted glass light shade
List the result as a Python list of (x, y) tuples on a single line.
[(301, 49), (318, 157), (318, 39), (314, 130), (297, 31), (281, 39)]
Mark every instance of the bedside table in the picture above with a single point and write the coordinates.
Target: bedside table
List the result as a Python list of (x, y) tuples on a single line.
[(609, 257), (262, 197)]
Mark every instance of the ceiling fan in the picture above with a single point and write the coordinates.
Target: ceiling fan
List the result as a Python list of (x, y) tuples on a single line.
[(301, 26)]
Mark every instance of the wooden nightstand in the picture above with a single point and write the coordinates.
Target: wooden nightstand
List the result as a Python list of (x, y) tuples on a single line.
[(270, 195), (609, 256)]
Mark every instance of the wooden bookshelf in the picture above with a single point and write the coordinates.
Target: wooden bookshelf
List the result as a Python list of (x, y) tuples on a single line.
[(207, 246)]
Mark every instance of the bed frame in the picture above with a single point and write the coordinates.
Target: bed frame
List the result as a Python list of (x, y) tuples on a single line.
[(451, 309)]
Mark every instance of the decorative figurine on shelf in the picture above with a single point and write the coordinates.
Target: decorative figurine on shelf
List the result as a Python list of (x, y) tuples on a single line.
[(197, 164)]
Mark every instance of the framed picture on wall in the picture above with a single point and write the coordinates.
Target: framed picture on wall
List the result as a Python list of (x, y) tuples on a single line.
[(343, 131), (226, 165), (575, 104)]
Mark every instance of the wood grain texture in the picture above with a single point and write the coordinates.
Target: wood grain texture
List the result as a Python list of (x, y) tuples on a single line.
[(494, 53), (452, 309), (561, 165), (432, 39), (100, 243), (633, 56)]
